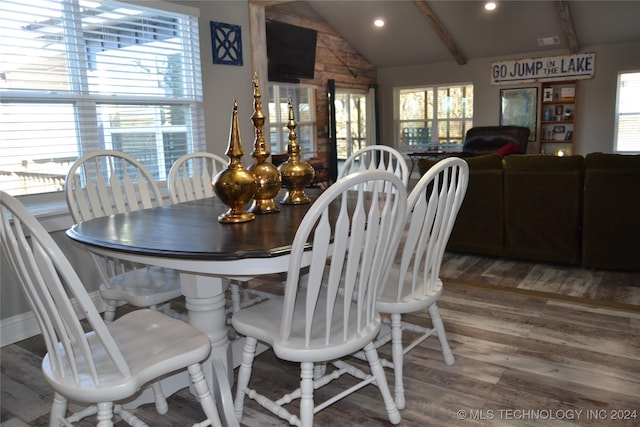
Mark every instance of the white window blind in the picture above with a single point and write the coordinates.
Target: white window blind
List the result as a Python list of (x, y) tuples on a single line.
[(81, 75), (627, 126)]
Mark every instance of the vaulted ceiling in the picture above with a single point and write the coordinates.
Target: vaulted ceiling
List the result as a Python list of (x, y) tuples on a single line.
[(423, 32)]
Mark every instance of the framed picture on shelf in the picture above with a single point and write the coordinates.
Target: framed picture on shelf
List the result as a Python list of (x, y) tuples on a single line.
[(519, 107), (547, 94), (558, 129), (559, 110), (568, 136), (568, 93)]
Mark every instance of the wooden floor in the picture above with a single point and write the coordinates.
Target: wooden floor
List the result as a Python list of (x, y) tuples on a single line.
[(534, 345)]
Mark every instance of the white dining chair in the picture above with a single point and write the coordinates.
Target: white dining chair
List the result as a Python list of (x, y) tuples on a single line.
[(381, 157), (191, 178), (320, 320), (414, 281), (92, 362), (107, 182)]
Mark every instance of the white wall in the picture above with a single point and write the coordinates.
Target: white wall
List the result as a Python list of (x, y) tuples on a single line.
[(595, 107), (224, 83)]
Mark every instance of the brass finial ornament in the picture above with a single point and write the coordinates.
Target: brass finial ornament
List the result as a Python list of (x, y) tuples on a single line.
[(268, 181), (235, 185), (296, 174)]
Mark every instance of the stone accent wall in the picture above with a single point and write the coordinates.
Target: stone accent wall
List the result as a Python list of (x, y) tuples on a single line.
[(335, 59)]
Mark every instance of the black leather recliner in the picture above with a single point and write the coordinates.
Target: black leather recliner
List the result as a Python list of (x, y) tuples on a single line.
[(490, 139)]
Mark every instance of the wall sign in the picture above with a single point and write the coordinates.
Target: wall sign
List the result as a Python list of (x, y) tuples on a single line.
[(568, 67)]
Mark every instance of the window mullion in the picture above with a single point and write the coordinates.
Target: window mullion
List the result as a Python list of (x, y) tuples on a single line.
[(435, 125)]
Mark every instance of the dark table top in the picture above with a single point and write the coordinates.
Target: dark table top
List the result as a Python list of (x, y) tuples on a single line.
[(191, 231)]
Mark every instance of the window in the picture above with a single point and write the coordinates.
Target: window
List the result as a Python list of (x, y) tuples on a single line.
[(433, 117), (79, 75), (304, 111), (627, 127), (351, 122)]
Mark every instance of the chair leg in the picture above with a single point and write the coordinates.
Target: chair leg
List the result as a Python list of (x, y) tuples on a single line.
[(161, 401), (204, 395), (234, 288), (397, 356), (105, 414), (110, 310), (58, 410), (381, 380), (244, 374), (306, 394), (436, 321)]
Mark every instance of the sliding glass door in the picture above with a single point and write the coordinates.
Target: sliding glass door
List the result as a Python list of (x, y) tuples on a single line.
[(351, 122)]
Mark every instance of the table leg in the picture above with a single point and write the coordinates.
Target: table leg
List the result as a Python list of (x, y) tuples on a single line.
[(205, 302)]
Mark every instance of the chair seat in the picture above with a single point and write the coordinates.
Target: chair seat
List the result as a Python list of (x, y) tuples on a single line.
[(143, 287), (408, 302), (150, 342), (263, 321)]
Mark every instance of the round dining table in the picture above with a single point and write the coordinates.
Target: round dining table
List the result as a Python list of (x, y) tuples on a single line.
[(189, 238)]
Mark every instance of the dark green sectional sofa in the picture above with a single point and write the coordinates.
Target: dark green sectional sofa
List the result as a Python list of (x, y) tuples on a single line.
[(570, 210)]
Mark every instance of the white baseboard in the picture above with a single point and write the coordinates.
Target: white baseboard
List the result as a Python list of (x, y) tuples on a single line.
[(25, 325)]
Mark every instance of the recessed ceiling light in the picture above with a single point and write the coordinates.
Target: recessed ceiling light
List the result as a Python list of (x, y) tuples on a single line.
[(379, 22), (490, 5)]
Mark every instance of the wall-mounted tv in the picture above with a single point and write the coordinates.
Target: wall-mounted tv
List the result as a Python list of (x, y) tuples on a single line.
[(291, 52)]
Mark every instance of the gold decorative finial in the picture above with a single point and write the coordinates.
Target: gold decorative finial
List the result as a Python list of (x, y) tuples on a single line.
[(268, 181), (296, 174), (235, 185)]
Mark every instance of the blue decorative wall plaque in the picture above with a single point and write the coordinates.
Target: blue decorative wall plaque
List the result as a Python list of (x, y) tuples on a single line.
[(226, 40)]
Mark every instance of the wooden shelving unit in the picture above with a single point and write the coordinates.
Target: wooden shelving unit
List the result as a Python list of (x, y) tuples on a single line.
[(557, 117)]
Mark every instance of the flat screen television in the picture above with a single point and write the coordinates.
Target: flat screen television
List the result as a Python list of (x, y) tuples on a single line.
[(291, 52)]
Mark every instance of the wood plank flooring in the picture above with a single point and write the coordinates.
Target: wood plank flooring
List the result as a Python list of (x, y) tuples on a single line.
[(535, 345)]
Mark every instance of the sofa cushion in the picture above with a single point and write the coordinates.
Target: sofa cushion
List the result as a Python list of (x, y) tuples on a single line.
[(611, 212), (487, 161), (543, 207), (479, 226), (608, 161)]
